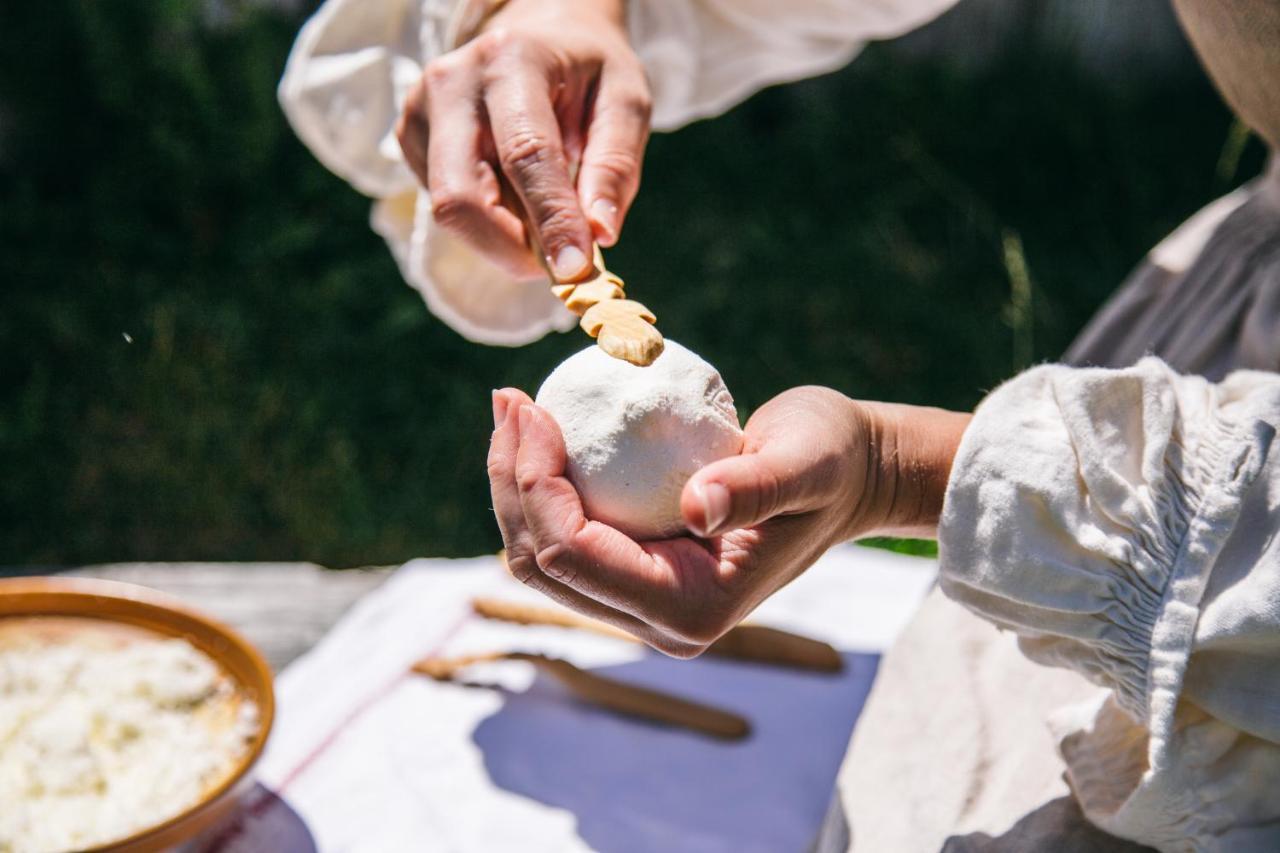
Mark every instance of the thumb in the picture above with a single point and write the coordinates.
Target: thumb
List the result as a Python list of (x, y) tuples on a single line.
[(740, 491)]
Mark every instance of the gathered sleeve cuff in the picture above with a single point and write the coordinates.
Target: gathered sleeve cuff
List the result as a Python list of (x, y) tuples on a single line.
[(344, 87), (1087, 509)]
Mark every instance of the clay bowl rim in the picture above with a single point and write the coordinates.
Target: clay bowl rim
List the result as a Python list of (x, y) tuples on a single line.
[(143, 607)]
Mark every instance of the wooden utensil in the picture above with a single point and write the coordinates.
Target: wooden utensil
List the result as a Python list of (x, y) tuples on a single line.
[(622, 327), (754, 643), (608, 693)]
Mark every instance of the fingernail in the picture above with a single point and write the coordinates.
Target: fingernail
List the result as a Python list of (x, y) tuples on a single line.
[(570, 264), (500, 404), (526, 417), (605, 214), (715, 506)]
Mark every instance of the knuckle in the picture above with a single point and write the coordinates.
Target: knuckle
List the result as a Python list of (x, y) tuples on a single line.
[(525, 152), (452, 208), (436, 71), (493, 43), (440, 70), (617, 164), (556, 222), (523, 567), (527, 480), (550, 560), (639, 104), (498, 467)]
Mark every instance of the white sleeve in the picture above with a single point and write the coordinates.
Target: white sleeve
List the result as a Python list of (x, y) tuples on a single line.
[(704, 56), (346, 79), (343, 89), (1124, 524), (355, 61)]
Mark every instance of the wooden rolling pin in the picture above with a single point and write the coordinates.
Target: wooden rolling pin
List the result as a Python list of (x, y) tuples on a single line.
[(754, 643), (616, 696)]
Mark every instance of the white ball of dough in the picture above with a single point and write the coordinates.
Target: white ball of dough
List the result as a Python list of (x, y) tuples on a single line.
[(635, 435)]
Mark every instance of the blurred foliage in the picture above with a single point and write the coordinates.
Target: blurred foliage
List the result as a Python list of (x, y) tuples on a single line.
[(205, 353)]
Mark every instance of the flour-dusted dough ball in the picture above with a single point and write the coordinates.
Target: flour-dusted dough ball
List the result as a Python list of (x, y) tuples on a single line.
[(635, 435)]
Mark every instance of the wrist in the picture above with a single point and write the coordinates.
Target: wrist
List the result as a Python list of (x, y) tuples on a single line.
[(908, 453)]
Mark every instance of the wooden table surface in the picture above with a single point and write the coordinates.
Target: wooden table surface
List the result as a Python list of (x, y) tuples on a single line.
[(284, 608)]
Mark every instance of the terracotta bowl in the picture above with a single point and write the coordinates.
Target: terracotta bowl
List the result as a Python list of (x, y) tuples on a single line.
[(53, 604)]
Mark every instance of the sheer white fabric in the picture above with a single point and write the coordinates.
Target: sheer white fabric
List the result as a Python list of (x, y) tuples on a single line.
[(355, 61), (343, 89)]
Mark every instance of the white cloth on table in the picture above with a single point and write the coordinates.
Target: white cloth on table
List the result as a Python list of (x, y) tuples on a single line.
[(1123, 523), (355, 61), (374, 759)]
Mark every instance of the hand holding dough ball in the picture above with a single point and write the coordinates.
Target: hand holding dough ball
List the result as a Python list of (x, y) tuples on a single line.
[(634, 435)]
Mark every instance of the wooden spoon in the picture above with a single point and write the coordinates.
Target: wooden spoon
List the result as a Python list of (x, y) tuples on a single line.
[(608, 693), (755, 643)]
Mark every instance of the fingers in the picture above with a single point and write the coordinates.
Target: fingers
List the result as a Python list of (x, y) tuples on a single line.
[(569, 548), (611, 162), (521, 562), (466, 197), (507, 109), (507, 507), (526, 134), (664, 584), (796, 460), (502, 473), (442, 135)]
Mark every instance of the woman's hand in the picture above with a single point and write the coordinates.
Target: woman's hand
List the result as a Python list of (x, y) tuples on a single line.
[(817, 469), (546, 86)]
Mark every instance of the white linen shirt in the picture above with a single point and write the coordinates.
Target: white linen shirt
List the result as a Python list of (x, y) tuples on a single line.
[(1124, 523)]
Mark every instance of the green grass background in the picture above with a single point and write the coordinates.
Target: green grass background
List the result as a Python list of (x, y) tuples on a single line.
[(206, 354)]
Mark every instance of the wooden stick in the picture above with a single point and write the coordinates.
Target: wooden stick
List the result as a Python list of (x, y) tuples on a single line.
[(531, 614), (608, 693), (622, 327), (761, 644), (754, 643)]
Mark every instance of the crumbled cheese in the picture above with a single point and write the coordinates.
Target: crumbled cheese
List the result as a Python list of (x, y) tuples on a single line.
[(100, 741)]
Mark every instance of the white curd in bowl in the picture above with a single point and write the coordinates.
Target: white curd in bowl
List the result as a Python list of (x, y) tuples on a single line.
[(108, 731)]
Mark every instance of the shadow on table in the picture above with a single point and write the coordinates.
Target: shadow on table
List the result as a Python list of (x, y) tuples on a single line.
[(262, 821), (634, 786), (1057, 825)]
